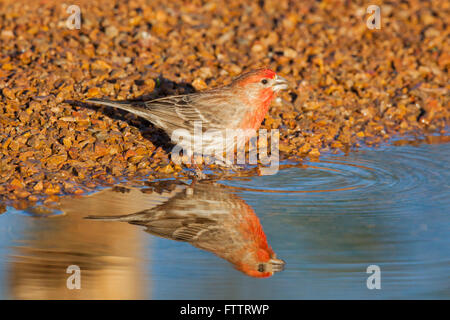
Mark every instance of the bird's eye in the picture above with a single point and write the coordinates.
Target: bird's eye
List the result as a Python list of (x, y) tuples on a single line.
[(261, 267), (264, 81)]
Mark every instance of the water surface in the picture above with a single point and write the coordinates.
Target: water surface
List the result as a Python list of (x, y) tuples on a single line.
[(327, 220)]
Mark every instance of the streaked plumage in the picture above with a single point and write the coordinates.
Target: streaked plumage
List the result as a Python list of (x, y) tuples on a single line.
[(239, 105), (210, 217)]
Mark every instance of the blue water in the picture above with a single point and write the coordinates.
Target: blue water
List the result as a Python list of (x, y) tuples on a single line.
[(327, 220)]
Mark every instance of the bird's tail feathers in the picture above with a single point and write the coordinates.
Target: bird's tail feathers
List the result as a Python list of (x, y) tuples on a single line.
[(123, 105), (123, 218)]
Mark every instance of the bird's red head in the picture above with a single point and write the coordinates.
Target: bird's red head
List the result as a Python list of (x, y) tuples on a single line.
[(261, 263), (256, 77), (255, 258), (256, 90)]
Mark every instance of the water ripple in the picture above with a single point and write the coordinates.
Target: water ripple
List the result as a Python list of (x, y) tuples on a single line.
[(365, 181)]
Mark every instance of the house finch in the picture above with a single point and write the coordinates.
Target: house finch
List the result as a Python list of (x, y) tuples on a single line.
[(239, 105), (210, 217)]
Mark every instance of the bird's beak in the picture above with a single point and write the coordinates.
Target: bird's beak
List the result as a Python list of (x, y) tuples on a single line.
[(280, 83), (277, 264)]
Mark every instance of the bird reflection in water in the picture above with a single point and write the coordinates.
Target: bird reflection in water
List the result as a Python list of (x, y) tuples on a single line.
[(210, 217)]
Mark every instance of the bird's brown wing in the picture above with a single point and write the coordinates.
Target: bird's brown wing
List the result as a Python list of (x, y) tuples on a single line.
[(213, 110), (180, 228), (197, 216)]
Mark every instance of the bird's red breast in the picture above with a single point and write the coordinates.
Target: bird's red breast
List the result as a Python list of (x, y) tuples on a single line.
[(254, 117)]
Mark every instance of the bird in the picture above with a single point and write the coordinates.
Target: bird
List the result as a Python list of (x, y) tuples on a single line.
[(240, 105), (209, 216)]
